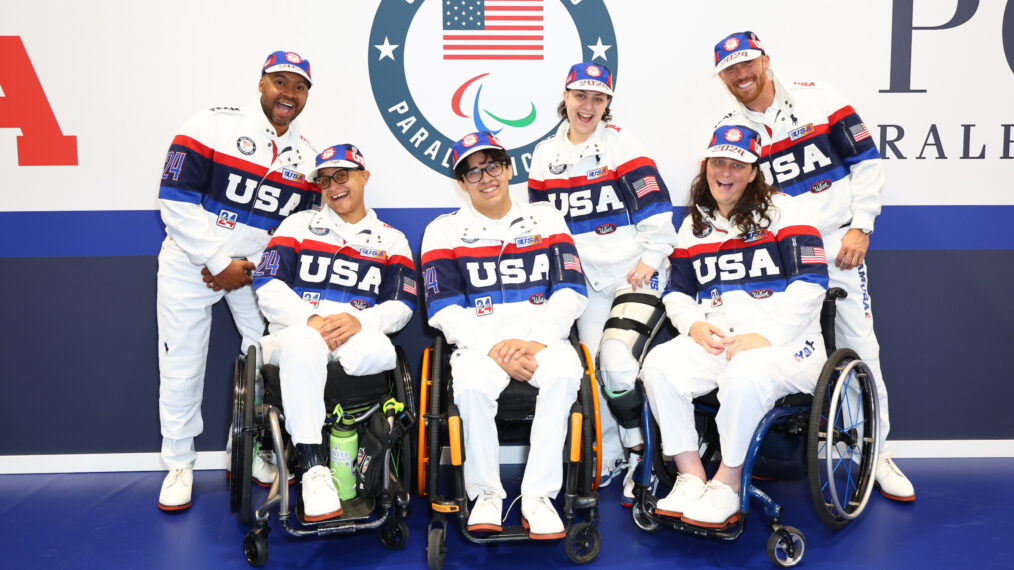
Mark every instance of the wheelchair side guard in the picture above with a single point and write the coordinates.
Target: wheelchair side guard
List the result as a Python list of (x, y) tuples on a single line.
[(596, 432), (425, 385), (454, 435)]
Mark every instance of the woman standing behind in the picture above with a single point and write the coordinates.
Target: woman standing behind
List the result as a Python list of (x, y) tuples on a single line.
[(748, 277), (619, 211)]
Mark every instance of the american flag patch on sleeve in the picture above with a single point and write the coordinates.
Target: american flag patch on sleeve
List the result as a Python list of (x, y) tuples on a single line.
[(645, 185), (408, 286), (859, 132), (572, 262), (810, 254)]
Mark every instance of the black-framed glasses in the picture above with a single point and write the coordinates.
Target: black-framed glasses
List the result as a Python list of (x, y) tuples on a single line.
[(494, 169), (340, 176)]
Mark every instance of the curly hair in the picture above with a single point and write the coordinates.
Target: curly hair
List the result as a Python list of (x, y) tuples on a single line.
[(751, 212)]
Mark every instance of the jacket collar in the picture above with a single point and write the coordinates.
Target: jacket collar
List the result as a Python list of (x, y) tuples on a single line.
[(782, 109), (327, 219), (567, 153), (475, 226)]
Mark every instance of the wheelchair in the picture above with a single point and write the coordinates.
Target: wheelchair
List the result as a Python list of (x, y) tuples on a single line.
[(839, 425), (382, 405), (440, 429)]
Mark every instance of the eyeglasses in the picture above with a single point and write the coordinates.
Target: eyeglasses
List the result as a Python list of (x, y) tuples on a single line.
[(340, 176), (494, 169)]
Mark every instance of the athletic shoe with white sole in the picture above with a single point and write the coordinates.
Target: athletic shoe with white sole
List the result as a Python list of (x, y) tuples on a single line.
[(685, 492), (176, 490), (540, 518), (486, 513), (320, 498), (717, 507), (892, 482)]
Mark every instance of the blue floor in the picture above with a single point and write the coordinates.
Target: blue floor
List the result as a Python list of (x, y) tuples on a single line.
[(960, 520)]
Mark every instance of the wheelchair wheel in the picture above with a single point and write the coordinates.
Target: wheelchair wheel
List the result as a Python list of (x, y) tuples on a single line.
[(241, 460), (786, 547), (842, 439), (404, 394), (583, 543), (393, 535), (642, 519), (436, 548), (255, 548)]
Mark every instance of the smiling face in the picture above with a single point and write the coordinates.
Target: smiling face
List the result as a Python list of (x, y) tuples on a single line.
[(727, 179), (491, 194), (748, 81), (346, 199), (584, 111), (283, 96)]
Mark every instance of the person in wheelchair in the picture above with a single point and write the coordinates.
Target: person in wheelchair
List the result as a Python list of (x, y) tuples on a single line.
[(748, 277), (504, 284), (333, 283)]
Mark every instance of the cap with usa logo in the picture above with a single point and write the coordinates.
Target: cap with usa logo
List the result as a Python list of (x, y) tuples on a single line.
[(735, 48), (736, 142), (472, 143), (589, 76), (287, 61), (339, 156)]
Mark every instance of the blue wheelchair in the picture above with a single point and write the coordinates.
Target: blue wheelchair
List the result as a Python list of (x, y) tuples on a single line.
[(835, 431)]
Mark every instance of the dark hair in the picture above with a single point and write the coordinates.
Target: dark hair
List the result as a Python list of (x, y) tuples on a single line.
[(494, 154), (607, 116), (751, 212)]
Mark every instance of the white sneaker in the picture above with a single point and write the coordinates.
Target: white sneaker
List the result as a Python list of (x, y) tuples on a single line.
[(688, 488), (320, 498), (264, 470), (540, 518), (627, 497), (486, 513), (892, 482), (176, 490), (717, 507)]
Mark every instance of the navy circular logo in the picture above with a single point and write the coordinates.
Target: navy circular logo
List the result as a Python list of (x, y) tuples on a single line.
[(705, 232), (537, 299), (440, 70), (359, 304), (605, 229), (246, 145), (761, 293), (557, 168), (319, 231), (820, 186)]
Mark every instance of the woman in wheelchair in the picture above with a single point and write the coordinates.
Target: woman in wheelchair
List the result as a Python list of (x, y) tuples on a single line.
[(748, 277), (333, 283), (504, 284)]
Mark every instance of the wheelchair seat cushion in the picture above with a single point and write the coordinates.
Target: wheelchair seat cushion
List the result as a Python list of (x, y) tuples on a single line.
[(517, 402)]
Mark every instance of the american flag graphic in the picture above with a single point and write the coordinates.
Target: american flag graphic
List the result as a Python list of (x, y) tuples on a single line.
[(810, 254), (859, 132), (645, 185), (408, 286), (493, 29), (572, 262)]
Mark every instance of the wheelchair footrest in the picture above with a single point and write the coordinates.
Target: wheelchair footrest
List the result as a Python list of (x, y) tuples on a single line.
[(355, 509)]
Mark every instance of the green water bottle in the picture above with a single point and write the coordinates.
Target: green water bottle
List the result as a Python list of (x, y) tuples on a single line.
[(344, 445)]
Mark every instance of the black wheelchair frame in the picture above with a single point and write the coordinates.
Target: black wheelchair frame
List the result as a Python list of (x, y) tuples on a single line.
[(440, 427), (385, 513), (836, 433)]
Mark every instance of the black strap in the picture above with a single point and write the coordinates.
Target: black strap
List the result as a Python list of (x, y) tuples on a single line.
[(642, 298), (628, 325)]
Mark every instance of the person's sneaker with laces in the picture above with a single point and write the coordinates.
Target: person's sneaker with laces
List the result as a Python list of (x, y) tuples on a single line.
[(320, 498), (486, 513), (688, 488), (539, 516), (627, 497), (892, 482), (264, 470), (717, 507), (176, 490)]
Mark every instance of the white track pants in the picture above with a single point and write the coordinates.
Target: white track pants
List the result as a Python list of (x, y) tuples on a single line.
[(854, 324), (302, 356), (676, 372), (183, 310), (478, 382)]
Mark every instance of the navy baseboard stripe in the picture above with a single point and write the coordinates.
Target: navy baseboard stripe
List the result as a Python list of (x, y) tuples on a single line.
[(140, 232)]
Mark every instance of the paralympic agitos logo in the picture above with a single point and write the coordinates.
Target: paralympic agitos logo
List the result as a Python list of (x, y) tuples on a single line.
[(442, 68)]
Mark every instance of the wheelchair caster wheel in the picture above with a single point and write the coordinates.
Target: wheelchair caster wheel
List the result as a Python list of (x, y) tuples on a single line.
[(582, 543), (393, 535), (642, 519), (436, 549), (255, 548), (786, 547)]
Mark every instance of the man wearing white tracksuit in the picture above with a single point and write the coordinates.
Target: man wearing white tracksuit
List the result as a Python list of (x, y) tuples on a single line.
[(817, 149), (230, 176), (333, 283), (504, 283)]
